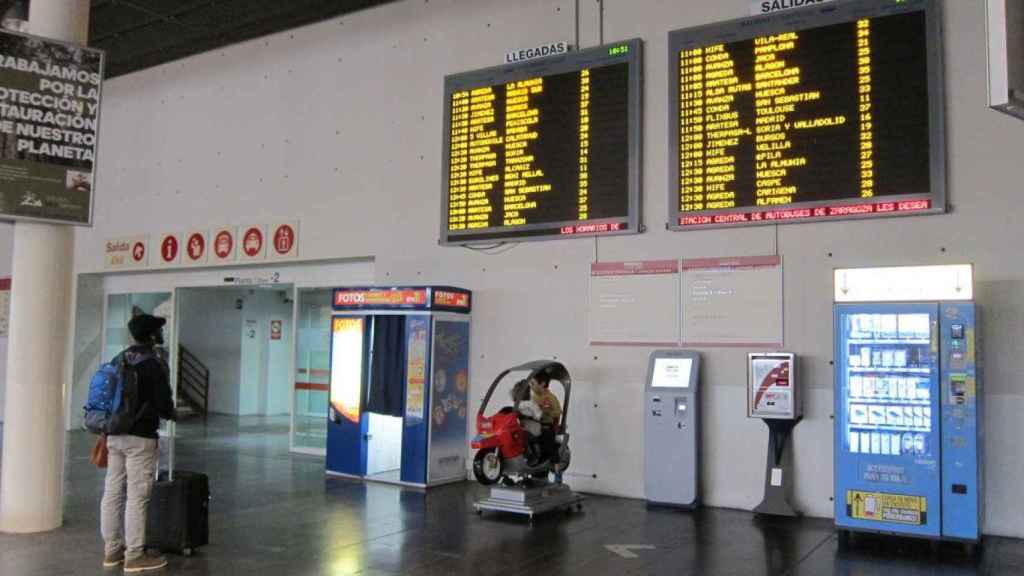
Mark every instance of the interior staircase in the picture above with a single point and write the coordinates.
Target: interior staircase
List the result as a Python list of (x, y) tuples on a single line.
[(193, 385)]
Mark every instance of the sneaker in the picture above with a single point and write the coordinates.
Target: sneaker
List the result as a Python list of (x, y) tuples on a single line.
[(144, 564), (115, 559)]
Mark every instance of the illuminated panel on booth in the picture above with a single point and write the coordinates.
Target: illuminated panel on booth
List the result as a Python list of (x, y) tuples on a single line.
[(821, 113), (546, 148), (347, 366)]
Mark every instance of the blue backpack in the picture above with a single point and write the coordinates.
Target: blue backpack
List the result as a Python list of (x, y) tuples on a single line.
[(112, 407)]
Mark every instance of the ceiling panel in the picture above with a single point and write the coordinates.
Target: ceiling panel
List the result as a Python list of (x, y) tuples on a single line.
[(138, 34)]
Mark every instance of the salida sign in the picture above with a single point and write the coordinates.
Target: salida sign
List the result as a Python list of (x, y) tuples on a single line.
[(758, 7), (217, 246), (126, 253)]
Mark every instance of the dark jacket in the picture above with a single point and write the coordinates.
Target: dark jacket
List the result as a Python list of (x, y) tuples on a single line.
[(155, 397)]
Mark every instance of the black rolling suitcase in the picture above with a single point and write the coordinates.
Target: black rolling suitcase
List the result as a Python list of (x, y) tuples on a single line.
[(179, 509)]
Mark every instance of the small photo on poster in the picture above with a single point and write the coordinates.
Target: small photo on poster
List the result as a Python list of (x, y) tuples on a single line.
[(78, 181)]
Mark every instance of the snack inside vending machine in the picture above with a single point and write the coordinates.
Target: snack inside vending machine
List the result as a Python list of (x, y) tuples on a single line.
[(908, 451)]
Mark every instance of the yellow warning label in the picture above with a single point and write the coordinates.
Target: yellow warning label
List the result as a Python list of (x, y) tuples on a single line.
[(881, 507)]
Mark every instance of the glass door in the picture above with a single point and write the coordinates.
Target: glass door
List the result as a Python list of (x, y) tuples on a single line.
[(312, 370), (887, 432)]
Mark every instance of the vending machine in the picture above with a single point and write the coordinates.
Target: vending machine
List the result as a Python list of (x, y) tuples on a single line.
[(908, 421)]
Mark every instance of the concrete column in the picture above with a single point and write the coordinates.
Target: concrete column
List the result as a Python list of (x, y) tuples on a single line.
[(31, 486)]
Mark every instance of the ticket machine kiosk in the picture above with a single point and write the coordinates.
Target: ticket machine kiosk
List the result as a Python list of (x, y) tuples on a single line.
[(399, 384), (774, 396), (672, 429)]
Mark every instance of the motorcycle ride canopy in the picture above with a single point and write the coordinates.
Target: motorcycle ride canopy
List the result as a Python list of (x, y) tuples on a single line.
[(554, 370)]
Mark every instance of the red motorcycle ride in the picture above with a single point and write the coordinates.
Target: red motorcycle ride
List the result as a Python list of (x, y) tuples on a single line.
[(509, 442)]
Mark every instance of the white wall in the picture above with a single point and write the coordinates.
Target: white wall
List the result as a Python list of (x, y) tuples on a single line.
[(211, 328), (265, 381), (339, 125), (280, 380)]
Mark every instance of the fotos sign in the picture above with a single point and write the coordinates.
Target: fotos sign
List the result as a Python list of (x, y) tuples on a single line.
[(49, 123)]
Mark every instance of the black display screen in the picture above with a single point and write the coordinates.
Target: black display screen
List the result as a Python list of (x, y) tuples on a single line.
[(548, 150), (815, 122)]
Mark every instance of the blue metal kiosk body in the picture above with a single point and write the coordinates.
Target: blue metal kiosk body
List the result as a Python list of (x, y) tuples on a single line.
[(908, 425), (432, 362)]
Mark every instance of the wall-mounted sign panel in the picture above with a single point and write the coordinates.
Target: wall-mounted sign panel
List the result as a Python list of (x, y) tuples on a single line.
[(812, 114), (220, 246), (126, 253), (634, 303), (542, 51), (954, 282), (224, 247), (49, 124), (284, 241), (760, 7), (169, 250), (252, 243), (197, 248), (733, 302), (544, 149)]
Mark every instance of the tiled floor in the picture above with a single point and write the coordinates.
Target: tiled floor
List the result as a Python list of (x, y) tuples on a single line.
[(275, 513)]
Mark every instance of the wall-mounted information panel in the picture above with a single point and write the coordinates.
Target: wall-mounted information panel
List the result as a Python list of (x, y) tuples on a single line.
[(821, 113), (546, 148)]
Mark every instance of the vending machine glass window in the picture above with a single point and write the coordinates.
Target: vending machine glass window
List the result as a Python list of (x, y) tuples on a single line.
[(888, 407)]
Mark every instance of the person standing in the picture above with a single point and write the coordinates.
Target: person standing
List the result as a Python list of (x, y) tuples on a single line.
[(134, 455)]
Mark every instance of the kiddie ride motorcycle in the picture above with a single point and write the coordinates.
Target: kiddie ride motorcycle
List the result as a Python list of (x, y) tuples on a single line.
[(520, 462)]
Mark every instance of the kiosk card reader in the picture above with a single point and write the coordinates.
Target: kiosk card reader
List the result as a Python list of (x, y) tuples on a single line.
[(672, 428)]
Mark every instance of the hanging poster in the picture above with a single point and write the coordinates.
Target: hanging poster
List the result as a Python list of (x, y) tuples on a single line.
[(5, 306), (49, 123), (448, 401)]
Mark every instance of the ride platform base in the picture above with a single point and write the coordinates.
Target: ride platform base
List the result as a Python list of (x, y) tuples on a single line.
[(530, 501)]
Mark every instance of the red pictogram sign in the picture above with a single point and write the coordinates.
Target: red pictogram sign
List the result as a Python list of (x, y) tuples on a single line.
[(138, 251), (169, 249), (196, 246), (252, 242), (223, 244), (284, 239)]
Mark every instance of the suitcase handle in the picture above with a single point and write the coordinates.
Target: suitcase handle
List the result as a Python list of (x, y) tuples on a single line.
[(172, 429)]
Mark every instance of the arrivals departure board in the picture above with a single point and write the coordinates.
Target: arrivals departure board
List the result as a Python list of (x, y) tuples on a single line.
[(819, 113), (544, 148)]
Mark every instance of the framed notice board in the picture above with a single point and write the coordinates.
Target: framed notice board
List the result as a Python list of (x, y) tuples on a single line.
[(733, 302), (545, 148), (815, 114)]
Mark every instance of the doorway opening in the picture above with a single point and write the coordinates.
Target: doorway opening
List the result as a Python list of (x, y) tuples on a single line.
[(385, 397), (235, 357)]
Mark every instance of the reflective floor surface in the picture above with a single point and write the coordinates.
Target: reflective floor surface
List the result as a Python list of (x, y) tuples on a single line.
[(275, 513)]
